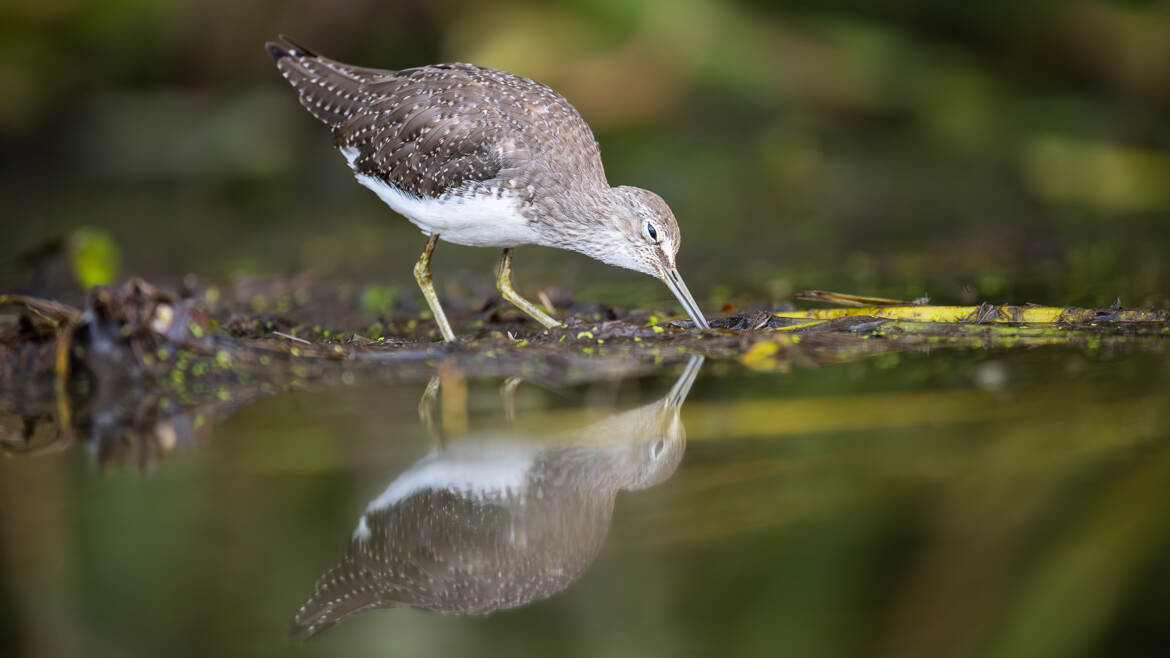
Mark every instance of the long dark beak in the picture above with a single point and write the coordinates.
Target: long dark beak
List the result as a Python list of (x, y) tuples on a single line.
[(674, 281)]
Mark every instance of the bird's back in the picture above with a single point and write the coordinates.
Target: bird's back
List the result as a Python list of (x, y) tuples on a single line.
[(432, 130)]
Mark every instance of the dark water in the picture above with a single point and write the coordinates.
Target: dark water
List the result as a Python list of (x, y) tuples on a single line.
[(947, 504)]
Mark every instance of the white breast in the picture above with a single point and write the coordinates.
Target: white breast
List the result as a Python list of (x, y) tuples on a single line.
[(475, 469), (478, 221)]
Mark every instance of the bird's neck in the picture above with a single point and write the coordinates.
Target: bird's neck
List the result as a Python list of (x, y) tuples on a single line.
[(576, 219)]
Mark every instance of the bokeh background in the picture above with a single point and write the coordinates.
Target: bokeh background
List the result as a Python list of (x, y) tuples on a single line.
[(973, 502), (994, 151)]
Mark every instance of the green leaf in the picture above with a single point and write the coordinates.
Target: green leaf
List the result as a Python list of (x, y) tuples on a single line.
[(94, 256)]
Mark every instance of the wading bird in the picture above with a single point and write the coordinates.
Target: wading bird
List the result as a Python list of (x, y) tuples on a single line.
[(484, 158)]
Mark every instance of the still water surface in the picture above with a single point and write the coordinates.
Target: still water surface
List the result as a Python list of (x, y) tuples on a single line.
[(956, 503)]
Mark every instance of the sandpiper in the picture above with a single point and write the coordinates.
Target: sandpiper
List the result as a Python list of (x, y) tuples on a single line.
[(484, 158)]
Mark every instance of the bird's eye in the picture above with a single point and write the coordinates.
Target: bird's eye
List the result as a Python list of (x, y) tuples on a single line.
[(656, 449), (651, 232)]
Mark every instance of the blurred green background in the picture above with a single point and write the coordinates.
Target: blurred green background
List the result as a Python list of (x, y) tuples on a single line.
[(995, 151), (963, 503)]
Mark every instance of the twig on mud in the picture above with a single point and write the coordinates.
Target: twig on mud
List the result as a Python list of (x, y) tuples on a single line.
[(54, 313), (846, 299), (546, 301), (61, 372), (291, 337), (989, 314)]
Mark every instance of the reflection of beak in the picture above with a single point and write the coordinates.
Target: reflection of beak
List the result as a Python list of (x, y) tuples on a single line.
[(678, 393), (673, 280)]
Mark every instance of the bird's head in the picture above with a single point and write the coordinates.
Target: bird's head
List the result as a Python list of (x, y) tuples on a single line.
[(644, 236), (657, 438)]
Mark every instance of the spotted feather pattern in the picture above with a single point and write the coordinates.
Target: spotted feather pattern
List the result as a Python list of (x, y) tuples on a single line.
[(447, 129)]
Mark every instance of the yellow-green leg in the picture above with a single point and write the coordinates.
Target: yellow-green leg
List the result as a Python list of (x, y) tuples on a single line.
[(508, 396), (422, 274), (504, 285), (426, 409)]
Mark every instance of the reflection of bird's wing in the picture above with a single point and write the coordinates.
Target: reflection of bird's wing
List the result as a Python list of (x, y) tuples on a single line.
[(444, 551), (421, 552), (434, 129)]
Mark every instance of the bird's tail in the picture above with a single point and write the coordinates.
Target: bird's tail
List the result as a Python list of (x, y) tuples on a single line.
[(329, 90), (340, 593)]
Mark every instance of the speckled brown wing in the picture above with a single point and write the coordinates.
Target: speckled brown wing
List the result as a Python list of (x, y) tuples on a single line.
[(441, 129), (431, 131)]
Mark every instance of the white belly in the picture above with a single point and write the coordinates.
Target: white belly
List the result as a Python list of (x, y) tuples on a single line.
[(470, 468), (480, 221)]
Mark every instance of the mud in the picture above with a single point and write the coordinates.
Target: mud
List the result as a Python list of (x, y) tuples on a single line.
[(138, 370)]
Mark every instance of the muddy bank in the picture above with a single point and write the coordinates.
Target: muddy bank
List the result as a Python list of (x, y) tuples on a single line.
[(138, 370), (291, 333)]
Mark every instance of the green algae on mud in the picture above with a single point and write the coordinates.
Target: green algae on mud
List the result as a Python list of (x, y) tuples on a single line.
[(139, 335), (171, 362)]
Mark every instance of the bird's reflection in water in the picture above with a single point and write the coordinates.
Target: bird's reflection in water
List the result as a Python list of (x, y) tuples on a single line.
[(486, 524)]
